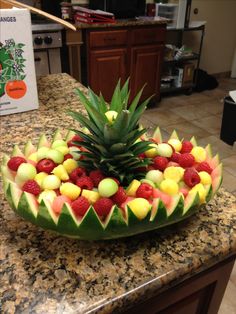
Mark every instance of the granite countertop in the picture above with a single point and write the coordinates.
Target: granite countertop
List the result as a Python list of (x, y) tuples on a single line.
[(142, 21), (42, 272)]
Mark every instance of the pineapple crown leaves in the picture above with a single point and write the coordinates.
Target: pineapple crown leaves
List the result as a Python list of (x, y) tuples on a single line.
[(112, 146)]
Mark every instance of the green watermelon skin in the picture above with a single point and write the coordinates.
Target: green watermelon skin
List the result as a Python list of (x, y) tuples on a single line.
[(118, 223)]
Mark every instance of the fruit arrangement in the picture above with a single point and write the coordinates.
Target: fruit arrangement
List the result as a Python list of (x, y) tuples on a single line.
[(109, 179)]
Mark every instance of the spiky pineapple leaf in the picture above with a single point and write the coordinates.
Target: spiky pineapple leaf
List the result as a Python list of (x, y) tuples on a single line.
[(137, 113), (135, 101), (116, 101)]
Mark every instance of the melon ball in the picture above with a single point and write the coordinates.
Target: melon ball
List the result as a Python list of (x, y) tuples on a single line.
[(140, 207), (169, 186), (26, 171), (152, 151), (205, 177), (174, 173), (199, 153), (164, 150), (107, 187), (111, 115), (176, 144), (156, 176), (51, 182)]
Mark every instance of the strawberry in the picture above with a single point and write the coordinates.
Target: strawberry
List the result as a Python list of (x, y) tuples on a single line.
[(31, 186), (80, 206), (204, 166), (103, 206), (186, 160), (85, 182), (68, 156), (144, 190), (14, 163), (77, 173), (120, 196), (160, 163), (96, 176), (175, 157), (186, 147), (191, 177)]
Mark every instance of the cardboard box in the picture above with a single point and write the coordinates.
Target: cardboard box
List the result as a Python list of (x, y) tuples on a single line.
[(18, 88)]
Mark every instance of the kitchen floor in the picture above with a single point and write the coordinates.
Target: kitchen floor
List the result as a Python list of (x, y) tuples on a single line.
[(200, 114)]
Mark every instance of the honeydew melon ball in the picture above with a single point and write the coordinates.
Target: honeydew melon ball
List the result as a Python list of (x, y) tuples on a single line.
[(63, 149), (201, 191), (42, 152), (111, 115), (174, 173), (71, 190), (164, 150), (205, 177), (58, 143), (55, 156), (48, 195), (148, 182), (40, 177), (156, 176), (140, 207), (51, 182), (74, 151), (199, 153), (107, 187), (152, 152), (169, 186), (176, 144), (26, 171)]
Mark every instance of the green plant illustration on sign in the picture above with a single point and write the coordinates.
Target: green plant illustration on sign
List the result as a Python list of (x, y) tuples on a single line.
[(12, 69)]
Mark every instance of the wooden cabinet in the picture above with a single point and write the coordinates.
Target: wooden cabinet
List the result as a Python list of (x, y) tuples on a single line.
[(106, 67), (135, 52)]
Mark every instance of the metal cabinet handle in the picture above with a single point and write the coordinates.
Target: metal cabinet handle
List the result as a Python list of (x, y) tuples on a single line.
[(37, 59)]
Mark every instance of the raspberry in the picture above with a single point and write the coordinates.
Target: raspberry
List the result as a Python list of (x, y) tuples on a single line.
[(68, 156), (142, 156), (75, 138), (191, 177), (77, 173), (80, 206), (85, 183), (160, 163), (45, 165), (186, 147), (175, 157), (15, 162), (31, 186), (120, 196), (144, 190), (186, 160), (204, 166), (103, 206), (96, 176)]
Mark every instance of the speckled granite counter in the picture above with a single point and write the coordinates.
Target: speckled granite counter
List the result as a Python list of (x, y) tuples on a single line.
[(41, 272), (126, 23)]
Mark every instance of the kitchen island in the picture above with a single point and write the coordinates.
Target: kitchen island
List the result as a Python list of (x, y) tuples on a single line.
[(182, 267)]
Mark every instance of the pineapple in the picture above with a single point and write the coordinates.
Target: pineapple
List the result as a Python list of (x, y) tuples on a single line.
[(113, 143)]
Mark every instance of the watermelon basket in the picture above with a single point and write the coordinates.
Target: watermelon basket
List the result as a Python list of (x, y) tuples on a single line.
[(110, 179)]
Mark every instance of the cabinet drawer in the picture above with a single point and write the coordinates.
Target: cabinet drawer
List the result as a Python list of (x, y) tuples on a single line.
[(148, 35), (108, 38)]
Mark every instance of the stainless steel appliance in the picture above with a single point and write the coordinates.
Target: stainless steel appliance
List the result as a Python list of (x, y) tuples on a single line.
[(47, 42)]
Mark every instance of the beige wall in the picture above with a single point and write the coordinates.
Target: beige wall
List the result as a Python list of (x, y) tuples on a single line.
[(220, 36)]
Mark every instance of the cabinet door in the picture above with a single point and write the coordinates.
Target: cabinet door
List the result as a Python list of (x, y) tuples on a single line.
[(106, 67), (146, 64)]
